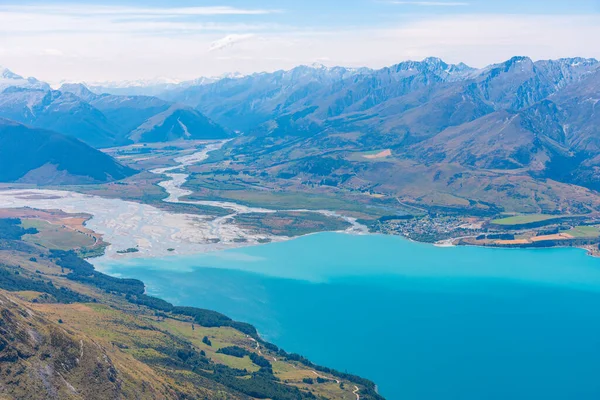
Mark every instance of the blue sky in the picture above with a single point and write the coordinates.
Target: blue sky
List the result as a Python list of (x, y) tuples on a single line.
[(182, 39)]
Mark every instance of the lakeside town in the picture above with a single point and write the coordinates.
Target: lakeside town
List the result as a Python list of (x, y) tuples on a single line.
[(534, 230)]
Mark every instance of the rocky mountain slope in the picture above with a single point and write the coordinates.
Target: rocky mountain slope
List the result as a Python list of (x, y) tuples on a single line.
[(245, 102), (10, 79), (43, 359), (408, 100)]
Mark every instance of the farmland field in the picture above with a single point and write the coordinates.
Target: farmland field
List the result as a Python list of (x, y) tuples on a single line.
[(584, 231), (54, 236), (524, 219)]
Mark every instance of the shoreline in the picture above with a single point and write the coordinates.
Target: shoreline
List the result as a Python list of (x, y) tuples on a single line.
[(125, 224), (188, 234), (448, 243)]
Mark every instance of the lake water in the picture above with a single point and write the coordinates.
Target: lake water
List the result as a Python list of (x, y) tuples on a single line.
[(422, 322)]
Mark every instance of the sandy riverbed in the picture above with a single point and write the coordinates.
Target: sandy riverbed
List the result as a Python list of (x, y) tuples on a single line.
[(127, 224)]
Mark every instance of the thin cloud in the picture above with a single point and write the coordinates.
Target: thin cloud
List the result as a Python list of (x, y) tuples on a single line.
[(39, 22), (431, 3), (88, 10), (52, 52), (229, 41)]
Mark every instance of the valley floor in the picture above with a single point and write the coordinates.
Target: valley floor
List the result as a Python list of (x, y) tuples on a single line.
[(186, 201), (174, 224)]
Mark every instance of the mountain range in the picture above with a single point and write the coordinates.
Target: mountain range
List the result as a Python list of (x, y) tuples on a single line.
[(457, 135), (519, 135), (152, 87), (101, 120)]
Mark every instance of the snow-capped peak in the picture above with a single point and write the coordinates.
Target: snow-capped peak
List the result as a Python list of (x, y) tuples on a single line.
[(318, 65), (6, 73), (134, 83), (10, 79), (228, 75)]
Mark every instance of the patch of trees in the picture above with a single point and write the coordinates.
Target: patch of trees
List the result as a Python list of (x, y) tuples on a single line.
[(244, 327), (285, 125), (318, 166), (202, 317), (12, 280), (206, 341), (234, 351), (287, 174), (133, 289), (576, 220), (83, 271), (17, 245), (150, 302), (129, 250), (209, 318), (552, 231), (488, 211), (323, 166), (550, 243), (335, 180), (403, 217), (180, 357), (240, 352), (11, 229), (368, 393), (571, 169), (260, 385), (500, 236), (225, 171), (260, 361), (270, 346)]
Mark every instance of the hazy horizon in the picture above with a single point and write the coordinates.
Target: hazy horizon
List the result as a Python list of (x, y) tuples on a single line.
[(228, 74), (183, 40)]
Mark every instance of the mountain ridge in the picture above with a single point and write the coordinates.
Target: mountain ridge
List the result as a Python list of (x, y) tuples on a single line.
[(534, 120), (99, 120), (32, 155)]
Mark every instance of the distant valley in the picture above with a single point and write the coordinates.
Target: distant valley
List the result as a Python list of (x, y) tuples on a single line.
[(417, 138)]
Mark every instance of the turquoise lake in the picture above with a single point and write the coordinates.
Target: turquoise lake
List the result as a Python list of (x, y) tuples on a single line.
[(423, 322)]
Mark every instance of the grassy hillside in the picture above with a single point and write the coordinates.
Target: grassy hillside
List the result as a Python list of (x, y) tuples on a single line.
[(63, 323)]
